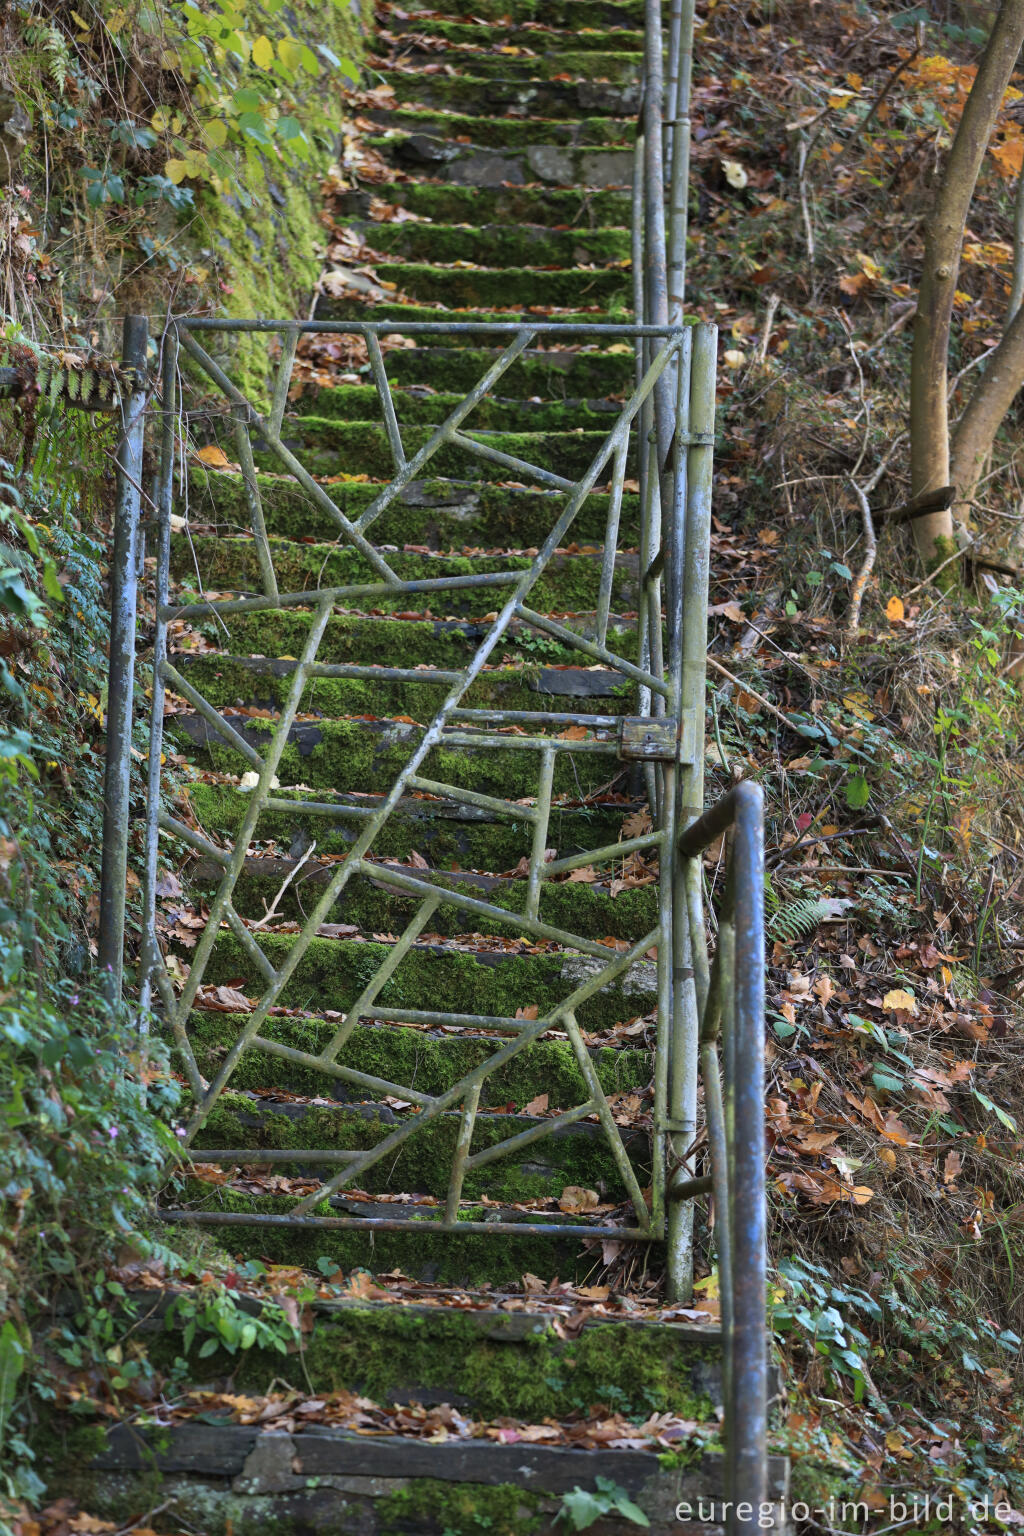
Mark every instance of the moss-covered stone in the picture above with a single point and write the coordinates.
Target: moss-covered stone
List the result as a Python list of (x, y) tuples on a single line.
[(497, 245), (398, 1354), (441, 514), (569, 583), (360, 402), (461, 1509), (450, 204), (328, 447), (442, 833), (622, 61), (428, 1061), (504, 132), (369, 755), (578, 1155), (581, 375), (573, 907), (451, 1258), (550, 98), (554, 13), (333, 972), (577, 41)]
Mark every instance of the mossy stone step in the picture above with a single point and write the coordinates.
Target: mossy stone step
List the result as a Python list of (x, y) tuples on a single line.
[(333, 972), (374, 907), (428, 1060), (489, 1362), (571, 14), (572, 1155), (237, 681), (558, 373), (331, 447), (475, 165), (618, 63), (235, 1480), (449, 204), (545, 41), (442, 514), (459, 287), (442, 831), (496, 245), (547, 98), (418, 405), (356, 308), (569, 584), (369, 755), (358, 638), (502, 132)]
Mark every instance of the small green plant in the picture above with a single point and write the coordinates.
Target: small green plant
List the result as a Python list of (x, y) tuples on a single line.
[(581, 1508)]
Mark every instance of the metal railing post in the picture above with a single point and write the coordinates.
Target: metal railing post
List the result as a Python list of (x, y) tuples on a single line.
[(124, 575)]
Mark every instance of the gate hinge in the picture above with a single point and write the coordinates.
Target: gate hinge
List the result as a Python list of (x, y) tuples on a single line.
[(664, 739)]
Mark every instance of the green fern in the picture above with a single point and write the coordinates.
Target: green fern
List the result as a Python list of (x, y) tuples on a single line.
[(799, 917)]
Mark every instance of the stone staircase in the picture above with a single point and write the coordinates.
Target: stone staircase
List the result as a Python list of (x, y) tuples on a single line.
[(503, 153)]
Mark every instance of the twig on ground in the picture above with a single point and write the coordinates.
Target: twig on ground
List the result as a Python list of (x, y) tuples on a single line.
[(269, 913)]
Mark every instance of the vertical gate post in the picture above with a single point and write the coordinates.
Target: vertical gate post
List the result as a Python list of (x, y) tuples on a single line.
[(124, 568)]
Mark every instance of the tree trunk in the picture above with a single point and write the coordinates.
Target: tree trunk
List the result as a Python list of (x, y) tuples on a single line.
[(929, 420), (992, 398)]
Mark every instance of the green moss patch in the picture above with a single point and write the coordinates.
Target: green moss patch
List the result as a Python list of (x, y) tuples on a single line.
[(497, 245), (505, 133), (359, 403), (580, 1155), (439, 832), (431, 1062), (332, 973), (441, 514)]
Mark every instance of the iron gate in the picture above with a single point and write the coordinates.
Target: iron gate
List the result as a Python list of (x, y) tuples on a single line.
[(664, 734)]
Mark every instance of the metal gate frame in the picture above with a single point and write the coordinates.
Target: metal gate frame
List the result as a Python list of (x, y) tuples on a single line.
[(663, 735)]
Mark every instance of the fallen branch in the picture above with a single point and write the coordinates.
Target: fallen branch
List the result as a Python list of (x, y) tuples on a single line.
[(269, 913), (867, 565)]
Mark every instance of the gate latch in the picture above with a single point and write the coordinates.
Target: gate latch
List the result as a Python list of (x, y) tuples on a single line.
[(643, 738)]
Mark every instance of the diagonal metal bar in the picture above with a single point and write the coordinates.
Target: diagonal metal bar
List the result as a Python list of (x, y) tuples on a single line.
[(283, 379), (249, 944), (255, 503), (380, 378), (603, 855), (444, 432), (212, 716), (383, 974), (192, 838), (533, 1133), (591, 648), (510, 462), (611, 544), (472, 797), (341, 595), (607, 1120), (452, 1096), (461, 1157), (538, 850), (230, 878)]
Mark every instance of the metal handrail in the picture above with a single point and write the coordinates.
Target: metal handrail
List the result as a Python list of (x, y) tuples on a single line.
[(732, 1010)]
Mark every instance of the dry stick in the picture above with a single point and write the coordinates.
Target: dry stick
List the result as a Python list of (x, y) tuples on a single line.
[(808, 227), (769, 319), (867, 565), (268, 914), (794, 725), (879, 100)]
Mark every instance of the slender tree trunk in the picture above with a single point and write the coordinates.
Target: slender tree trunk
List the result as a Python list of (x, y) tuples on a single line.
[(992, 398), (929, 420)]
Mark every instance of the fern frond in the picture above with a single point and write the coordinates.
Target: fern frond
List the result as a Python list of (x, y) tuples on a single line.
[(799, 917)]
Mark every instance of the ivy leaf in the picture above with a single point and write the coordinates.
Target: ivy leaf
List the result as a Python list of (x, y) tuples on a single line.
[(51, 585)]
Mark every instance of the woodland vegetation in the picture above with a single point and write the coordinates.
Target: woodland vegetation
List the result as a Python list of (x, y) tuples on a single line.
[(857, 232)]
